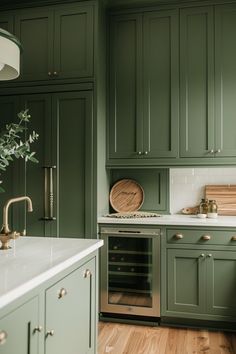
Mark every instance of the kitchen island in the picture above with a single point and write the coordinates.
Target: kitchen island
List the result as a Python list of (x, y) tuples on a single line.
[(48, 296)]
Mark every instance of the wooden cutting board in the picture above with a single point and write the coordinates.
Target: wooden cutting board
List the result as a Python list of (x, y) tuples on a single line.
[(225, 197), (126, 196)]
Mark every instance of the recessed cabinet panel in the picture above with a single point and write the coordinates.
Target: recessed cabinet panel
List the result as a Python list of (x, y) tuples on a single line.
[(225, 58), (160, 84), (73, 46), (125, 115), (34, 29), (196, 82), (7, 21)]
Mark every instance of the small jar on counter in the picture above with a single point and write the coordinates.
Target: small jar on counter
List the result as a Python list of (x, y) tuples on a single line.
[(212, 209), (203, 208)]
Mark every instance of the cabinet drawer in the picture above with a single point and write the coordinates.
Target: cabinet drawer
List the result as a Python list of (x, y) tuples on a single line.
[(196, 236)]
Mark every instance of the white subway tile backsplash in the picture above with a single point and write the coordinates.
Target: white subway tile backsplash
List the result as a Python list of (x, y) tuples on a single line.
[(187, 185)]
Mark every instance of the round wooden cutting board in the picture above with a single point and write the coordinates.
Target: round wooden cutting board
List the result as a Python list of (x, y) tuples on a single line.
[(126, 195)]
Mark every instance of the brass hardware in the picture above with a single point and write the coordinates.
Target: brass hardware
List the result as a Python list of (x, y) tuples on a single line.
[(49, 73), (218, 151), (211, 151), (140, 153), (87, 273), (6, 234), (48, 194), (233, 238), (3, 337), (50, 333), (179, 236), (38, 329), (146, 152), (62, 293), (202, 255), (55, 73), (206, 237), (209, 255)]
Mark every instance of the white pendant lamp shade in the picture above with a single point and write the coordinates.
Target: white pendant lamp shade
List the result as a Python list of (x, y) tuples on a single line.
[(10, 49)]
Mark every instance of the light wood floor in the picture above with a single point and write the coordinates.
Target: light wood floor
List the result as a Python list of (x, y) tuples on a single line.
[(129, 339)]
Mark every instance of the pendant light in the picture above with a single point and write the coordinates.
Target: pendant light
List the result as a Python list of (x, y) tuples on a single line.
[(10, 49)]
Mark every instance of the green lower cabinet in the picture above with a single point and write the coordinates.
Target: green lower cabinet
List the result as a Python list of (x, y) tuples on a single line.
[(186, 280), (70, 313), (18, 332), (221, 283), (201, 284)]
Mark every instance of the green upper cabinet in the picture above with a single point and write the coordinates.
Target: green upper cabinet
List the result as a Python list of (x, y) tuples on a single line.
[(143, 91), (7, 21), (196, 82), (57, 42), (225, 80)]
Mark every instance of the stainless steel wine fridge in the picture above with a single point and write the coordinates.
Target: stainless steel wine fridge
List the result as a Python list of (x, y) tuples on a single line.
[(130, 271)]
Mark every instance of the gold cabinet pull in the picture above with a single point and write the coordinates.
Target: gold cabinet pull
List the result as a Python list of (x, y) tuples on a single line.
[(233, 238), (179, 236), (38, 329), (49, 73), (206, 237), (50, 333), (209, 255), (55, 73), (87, 273), (202, 255), (3, 337), (62, 293)]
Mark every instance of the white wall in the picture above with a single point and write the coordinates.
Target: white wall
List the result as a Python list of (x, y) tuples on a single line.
[(187, 184)]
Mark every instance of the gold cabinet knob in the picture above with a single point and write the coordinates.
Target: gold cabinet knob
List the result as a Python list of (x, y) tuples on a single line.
[(50, 333), (178, 236), (38, 329), (139, 152), (62, 293), (87, 273), (145, 152), (218, 151), (206, 237), (202, 255), (211, 151), (3, 337), (55, 73), (233, 238), (49, 73), (209, 255)]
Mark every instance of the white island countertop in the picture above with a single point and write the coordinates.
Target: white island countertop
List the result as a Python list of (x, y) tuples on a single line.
[(183, 220), (33, 260)]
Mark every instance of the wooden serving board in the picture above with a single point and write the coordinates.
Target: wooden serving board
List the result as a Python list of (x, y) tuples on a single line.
[(126, 196), (225, 197)]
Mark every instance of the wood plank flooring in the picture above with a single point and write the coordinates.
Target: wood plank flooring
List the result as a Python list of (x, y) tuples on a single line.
[(129, 339)]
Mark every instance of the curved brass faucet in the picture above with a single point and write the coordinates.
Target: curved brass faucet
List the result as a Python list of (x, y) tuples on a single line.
[(6, 234)]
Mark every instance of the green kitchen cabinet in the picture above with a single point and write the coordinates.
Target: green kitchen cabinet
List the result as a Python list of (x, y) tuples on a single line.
[(18, 330), (200, 274), (197, 82), (61, 184), (7, 21), (57, 41), (70, 313), (143, 91)]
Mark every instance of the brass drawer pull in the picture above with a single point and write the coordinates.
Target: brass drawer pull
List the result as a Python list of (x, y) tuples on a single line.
[(3, 337), (38, 329), (233, 238), (50, 333), (179, 236), (202, 255), (206, 237), (62, 293), (87, 273)]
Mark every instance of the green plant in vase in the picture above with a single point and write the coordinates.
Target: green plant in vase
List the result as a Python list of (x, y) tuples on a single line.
[(14, 142)]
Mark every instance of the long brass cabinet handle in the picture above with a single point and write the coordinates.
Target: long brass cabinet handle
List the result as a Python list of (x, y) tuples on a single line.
[(206, 237), (3, 337), (179, 236), (48, 194)]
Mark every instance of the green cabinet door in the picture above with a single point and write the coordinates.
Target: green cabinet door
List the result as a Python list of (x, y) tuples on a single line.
[(225, 80), (125, 91), (185, 281), (18, 328), (161, 89), (7, 21), (73, 158), (221, 284), (73, 41), (70, 313), (196, 82), (57, 42), (34, 28)]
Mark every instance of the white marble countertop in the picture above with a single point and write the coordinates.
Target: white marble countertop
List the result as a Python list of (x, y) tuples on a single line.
[(33, 260), (184, 220)]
